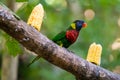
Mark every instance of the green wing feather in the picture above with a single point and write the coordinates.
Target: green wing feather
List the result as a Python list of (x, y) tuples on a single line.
[(59, 36), (61, 40)]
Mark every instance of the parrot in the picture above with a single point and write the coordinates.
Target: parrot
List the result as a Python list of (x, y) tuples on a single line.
[(68, 37)]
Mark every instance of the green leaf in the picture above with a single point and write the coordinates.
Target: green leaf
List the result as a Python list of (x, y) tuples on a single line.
[(21, 0), (13, 46), (24, 11)]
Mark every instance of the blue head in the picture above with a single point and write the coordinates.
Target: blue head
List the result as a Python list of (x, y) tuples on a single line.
[(78, 24)]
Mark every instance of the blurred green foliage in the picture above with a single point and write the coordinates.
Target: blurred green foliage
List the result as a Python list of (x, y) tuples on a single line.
[(21, 0), (103, 28)]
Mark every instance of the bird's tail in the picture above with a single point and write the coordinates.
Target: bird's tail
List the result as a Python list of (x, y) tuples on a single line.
[(35, 59)]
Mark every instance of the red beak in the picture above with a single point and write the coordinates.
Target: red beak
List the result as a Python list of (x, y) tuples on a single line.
[(84, 24)]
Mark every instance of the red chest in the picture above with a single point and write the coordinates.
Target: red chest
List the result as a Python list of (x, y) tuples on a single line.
[(72, 35)]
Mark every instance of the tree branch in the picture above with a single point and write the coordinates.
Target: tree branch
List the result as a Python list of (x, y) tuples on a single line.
[(41, 45)]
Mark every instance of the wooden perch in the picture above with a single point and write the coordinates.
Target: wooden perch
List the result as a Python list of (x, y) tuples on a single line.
[(33, 40)]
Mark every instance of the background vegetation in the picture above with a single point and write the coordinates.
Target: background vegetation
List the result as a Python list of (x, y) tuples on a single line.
[(102, 17)]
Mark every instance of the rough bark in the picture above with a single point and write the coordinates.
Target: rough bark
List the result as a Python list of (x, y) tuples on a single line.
[(41, 45)]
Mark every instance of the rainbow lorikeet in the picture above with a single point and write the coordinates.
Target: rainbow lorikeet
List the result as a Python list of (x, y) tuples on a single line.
[(68, 37)]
